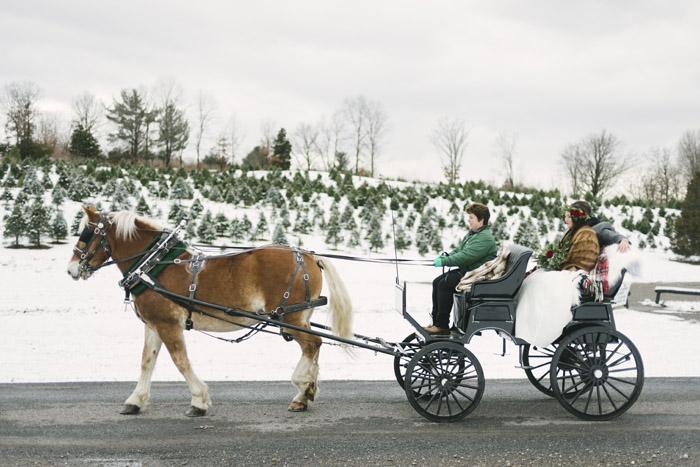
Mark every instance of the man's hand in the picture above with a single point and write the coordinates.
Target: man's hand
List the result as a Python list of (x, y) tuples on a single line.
[(623, 246)]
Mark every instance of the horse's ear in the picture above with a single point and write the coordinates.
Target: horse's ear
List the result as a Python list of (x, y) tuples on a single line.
[(91, 211)]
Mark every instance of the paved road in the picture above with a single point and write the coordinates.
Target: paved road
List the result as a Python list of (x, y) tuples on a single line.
[(352, 423)]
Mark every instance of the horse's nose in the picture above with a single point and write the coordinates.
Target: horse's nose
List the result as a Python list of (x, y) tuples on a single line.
[(74, 270)]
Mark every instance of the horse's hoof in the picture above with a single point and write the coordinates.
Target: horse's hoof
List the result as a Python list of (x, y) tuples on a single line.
[(310, 391), (195, 412), (130, 409), (297, 407)]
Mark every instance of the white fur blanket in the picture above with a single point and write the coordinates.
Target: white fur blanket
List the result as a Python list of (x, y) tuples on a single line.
[(543, 304)]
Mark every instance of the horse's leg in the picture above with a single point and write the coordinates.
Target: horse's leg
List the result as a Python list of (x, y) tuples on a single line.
[(139, 398), (305, 376), (174, 341)]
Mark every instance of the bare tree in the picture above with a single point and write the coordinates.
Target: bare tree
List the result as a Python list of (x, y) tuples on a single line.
[(504, 147), (87, 111), (50, 132), (331, 137), (662, 181), (267, 134), (689, 152), (206, 111), (355, 111), (376, 129), (236, 135), (599, 162), (572, 160), (450, 139), (306, 144), (19, 104)]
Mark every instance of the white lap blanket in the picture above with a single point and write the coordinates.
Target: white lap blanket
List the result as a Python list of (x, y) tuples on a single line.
[(543, 305)]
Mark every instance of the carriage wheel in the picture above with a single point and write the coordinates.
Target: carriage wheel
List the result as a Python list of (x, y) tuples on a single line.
[(444, 382), (538, 362), (411, 345), (597, 373)]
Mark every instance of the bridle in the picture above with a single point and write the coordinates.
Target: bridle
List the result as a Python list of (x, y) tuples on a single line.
[(93, 232)]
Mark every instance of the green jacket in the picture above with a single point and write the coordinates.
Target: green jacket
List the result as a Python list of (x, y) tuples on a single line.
[(474, 250)]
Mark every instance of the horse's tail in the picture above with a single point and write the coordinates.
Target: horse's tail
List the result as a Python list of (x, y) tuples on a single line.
[(339, 300)]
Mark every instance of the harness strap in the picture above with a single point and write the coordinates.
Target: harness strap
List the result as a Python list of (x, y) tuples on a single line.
[(195, 266)]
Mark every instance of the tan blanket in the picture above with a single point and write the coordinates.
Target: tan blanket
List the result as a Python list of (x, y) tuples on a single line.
[(489, 270)]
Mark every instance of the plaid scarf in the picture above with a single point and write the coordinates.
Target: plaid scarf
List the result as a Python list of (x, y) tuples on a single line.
[(596, 283)]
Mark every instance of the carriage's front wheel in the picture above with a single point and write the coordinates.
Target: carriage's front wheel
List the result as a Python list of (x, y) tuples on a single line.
[(444, 382), (537, 362), (597, 373), (410, 346)]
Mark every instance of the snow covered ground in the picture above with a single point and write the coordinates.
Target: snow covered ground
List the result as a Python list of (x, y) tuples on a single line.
[(53, 329)]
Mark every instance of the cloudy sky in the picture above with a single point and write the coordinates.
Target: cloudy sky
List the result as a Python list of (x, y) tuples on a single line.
[(549, 71)]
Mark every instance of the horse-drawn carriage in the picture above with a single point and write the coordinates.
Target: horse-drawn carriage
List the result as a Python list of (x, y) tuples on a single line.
[(594, 371)]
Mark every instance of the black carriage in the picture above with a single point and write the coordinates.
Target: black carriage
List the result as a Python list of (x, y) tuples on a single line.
[(593, 370)]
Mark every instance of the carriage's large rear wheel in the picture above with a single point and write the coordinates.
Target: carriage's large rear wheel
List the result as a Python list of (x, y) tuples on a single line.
[(444, 382), (411, 345), (538, 362), (597, 373)]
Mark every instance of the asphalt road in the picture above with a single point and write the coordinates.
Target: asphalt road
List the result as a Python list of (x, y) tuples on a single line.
[(352, 423)]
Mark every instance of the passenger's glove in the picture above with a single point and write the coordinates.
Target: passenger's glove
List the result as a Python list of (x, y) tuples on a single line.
[(437, 262)]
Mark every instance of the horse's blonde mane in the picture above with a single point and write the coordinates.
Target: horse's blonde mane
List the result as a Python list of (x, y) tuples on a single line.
[(125, 224)]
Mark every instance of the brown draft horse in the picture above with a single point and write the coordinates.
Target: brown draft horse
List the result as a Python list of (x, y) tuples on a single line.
[(255, 280)]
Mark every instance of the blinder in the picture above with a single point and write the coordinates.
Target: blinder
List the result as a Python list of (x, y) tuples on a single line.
[(91, 233)]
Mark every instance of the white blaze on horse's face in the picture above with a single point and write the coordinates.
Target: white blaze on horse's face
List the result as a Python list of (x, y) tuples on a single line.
[(74, 269)]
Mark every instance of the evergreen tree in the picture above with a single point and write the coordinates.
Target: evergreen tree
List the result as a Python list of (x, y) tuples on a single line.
[(59, 227), (132, 118), (280, 236), (403, 239), (181, 190), (246, 225), (527, 235), (334, 231), (7, 197), (355, 238), (77, 219), (38, 222), (281, 151), (142, 207), (196, 208), (206, 231), (173, 131), (31, 183), (83, 144), (58, 196), (215, 194), (15, 223), (375, 238), (261, 227), (236, 230), (221, 224), (499, 228), (686, 241)]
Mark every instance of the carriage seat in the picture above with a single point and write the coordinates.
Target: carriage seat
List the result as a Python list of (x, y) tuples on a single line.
[(493, 300), (506, 286)]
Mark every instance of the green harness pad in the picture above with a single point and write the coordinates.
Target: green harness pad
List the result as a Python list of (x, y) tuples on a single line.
[(174, 252)]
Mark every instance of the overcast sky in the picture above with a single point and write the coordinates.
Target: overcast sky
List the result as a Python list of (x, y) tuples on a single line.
[(550, 71)]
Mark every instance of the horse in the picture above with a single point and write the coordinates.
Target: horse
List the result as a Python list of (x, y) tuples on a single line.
[(255, 281)]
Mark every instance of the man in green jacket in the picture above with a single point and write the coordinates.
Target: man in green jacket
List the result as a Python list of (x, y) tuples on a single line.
[(476, 248)]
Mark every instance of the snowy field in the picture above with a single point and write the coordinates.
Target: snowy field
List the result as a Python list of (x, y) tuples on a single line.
[(53, 329)]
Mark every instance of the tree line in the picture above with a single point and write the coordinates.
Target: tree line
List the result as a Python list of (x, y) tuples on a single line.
[(154, 127)]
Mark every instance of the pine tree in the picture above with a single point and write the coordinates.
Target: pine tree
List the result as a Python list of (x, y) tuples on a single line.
[(196, 208), (375, 238), (77, 219), (282, 151), (261, 227), (83, 144), (280, 236), (142, 207), (206, 231), (686, 241), (235, 230), (38, 222), (59, 227), (334, 231), (527, 235), (221, 224), (246, 225), (499, 228), (403, 240), (7, 197), (181, 190), (15, 224)]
